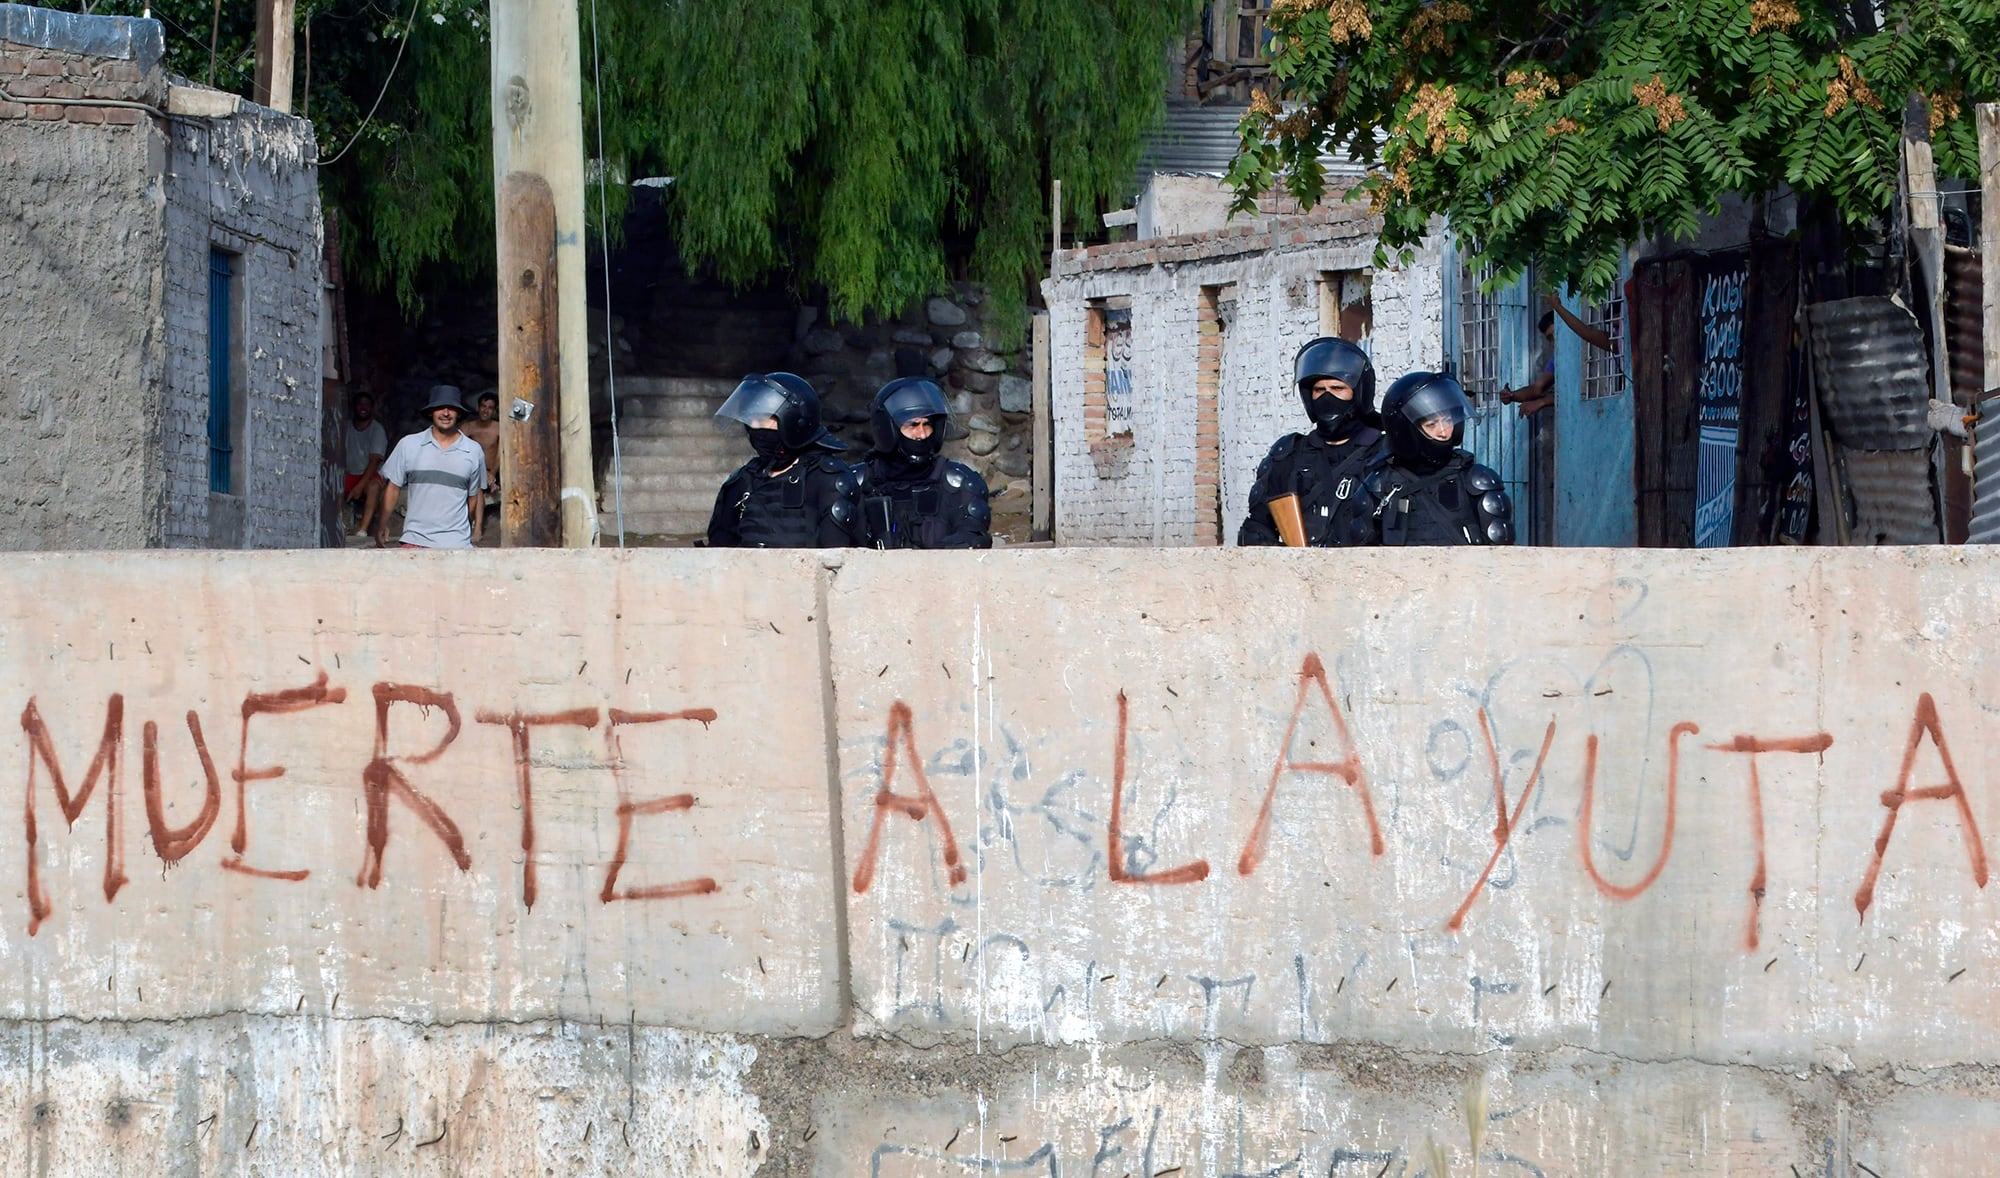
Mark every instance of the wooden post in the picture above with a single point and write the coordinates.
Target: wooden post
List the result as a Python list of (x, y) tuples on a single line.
[(1926, 219), (1043, 483), (272, 85), (530, 365), (538, 131)]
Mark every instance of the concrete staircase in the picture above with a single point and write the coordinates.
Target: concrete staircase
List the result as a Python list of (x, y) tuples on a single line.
[(674, 458)]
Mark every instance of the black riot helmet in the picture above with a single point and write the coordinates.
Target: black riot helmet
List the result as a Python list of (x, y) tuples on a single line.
[(1415, 399), (1327, 358), (901, 402), (787, 398)]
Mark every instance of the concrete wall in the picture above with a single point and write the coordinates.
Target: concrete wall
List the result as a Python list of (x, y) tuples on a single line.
[(246, 184), (81, 234), (107, 214), (1099, 863), (1275, 265)]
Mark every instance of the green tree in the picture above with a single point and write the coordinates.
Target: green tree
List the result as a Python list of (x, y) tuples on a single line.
[(1555, 133), (867, 149)]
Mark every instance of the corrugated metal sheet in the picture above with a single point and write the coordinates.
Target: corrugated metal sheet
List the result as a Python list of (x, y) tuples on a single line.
[(1869, 362), (1891, 491), (1202, 140), (1986, 476), (1965, 324)]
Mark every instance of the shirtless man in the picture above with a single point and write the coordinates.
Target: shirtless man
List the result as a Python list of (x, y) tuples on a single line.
[(485, 429)]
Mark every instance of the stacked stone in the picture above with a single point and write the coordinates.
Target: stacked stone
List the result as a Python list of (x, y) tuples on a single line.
[(948, 339)]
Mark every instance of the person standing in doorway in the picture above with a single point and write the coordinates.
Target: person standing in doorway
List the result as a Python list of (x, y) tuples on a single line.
[(367, 443), (445, 472), (484, 428)]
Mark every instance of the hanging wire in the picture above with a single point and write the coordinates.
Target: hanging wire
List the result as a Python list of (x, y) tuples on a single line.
[(604, 235), (409, 23)]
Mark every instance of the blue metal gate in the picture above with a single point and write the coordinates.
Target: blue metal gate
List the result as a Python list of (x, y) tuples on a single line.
[(1489, 344)]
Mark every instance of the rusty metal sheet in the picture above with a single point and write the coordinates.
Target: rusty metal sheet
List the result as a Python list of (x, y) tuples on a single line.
[(1891, 496), (1870, 364), (1965, 324)]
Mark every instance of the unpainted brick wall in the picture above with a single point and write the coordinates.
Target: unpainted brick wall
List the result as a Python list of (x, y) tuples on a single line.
[(245, 184), (1275, 267)]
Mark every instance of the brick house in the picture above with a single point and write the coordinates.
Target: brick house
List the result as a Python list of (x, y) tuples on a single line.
[(160, 357)]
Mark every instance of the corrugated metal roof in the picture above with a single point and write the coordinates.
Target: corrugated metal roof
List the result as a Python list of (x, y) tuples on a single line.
[(1892, 496), (1202, 140), (1870, 365)]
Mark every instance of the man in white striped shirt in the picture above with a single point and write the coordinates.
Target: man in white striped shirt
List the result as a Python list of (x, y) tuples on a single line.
[(445, 472)]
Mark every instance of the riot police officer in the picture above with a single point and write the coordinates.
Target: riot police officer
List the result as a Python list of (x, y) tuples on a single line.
[(794, 493), (1323, 469), (1425, 489), (912, 496)]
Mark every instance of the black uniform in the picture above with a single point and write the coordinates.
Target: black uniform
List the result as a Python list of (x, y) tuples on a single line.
[(1325, 468), (795, 493), (1460, 502), (1329, 481), (940, 504), (912, 497), (1426, 490), (812, 503)]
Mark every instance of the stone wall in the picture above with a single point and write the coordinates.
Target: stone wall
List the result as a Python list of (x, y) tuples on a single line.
[(81, 350), (985, 373), (1216, 863), (1145, 490)]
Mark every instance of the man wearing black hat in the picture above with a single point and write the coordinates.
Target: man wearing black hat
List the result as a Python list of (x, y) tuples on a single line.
[(445, 472)]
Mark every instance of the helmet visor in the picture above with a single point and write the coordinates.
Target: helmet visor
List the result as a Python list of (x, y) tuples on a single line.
[(1436, 400), (756, 399), (912, 401)]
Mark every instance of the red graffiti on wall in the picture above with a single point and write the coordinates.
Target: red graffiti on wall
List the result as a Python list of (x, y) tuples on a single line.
[(1503, 823), (173, 843), (276, 703), (629, 809), (1925, 721), (901, 746), (518, 725), (384, 779), (1819, 742), (41, 748), (1193, 872), (1583, 825), (1347, 768)]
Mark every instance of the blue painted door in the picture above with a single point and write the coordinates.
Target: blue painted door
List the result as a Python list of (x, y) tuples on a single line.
[(221, 275), (1596, 504)]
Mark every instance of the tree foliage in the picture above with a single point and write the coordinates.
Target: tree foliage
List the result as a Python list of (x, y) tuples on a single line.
[(865, 149), (1552, 134)]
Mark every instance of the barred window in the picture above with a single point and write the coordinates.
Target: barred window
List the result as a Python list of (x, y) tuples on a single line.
[(1604, 372), (1478, 334)]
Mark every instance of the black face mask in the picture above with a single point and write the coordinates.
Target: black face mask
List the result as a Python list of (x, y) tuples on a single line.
[(766, 442), (919, 451), (1333, 418)]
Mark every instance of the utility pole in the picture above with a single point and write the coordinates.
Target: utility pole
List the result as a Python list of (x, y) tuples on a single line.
[(537, 167), (272, 85)]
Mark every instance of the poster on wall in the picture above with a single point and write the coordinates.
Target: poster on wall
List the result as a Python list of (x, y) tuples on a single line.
[(1719, 396), (1117, 371)]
